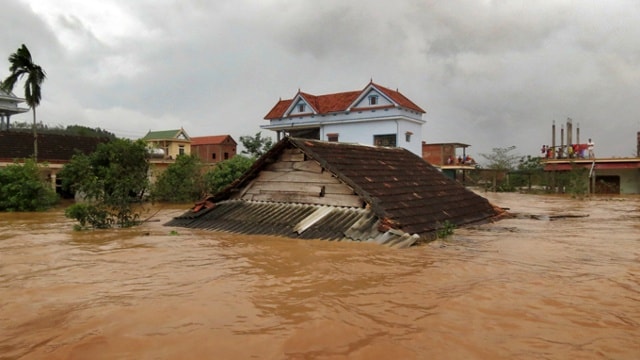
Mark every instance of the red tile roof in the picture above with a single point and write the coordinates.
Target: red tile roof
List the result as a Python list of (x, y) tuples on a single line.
[(210, 140), (330, 103)]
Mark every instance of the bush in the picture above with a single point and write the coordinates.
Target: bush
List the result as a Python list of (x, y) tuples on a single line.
[(226, 172), (98, 216), (182, 181), (22, 188), (111, 179)]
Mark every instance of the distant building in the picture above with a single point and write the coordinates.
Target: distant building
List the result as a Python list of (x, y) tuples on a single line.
[(374, 115), (171, 142), (53, 150), (616, 175), (8, 107), (214, 149), (451, 158)]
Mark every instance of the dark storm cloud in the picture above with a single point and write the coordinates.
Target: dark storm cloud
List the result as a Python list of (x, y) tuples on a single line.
[(489, 73)]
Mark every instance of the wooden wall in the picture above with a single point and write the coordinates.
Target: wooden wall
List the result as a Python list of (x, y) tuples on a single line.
[(295, 179)]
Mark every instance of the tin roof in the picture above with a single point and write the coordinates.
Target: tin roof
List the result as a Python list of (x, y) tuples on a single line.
[(401, 190), (301, 221)]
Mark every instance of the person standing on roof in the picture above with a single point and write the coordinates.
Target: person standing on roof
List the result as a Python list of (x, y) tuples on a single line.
[(590, 146)]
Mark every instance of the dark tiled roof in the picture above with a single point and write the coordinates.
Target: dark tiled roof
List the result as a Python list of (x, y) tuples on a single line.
[(400, 186), (51, 147), (402, 190)]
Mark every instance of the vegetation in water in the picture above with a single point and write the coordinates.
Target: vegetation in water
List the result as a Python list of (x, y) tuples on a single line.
[(110, 180), (182, 181), (22, 188), (445, 229)]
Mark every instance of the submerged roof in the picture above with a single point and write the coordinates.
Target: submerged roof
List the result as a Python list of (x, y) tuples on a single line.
[(401, 190), (331, 103), (300, 221)]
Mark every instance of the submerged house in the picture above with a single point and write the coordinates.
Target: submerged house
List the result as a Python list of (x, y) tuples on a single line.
[(313, 189), (605, 175)]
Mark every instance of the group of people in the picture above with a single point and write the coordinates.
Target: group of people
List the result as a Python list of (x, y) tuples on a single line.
[(467, 160), (573, 151)]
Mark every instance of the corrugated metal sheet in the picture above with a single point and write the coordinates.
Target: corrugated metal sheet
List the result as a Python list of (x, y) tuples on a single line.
[(300, 221)]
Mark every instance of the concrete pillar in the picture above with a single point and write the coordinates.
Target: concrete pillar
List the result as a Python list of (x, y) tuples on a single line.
[(561, 150), (553, 137), (53, 180)]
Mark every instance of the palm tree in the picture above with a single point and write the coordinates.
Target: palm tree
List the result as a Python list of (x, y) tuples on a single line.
[(21, 64)]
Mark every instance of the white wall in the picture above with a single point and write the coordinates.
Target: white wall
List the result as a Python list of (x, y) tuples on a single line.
[(363, 133), (360, 126)]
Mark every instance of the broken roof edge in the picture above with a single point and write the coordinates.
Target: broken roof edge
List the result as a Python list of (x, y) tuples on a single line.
[(308, 222)]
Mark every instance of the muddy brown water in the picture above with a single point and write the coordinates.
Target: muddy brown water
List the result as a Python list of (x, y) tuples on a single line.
[(521, 288)]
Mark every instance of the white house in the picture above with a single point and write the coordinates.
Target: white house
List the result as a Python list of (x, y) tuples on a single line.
[(9, 106), (375, 115)]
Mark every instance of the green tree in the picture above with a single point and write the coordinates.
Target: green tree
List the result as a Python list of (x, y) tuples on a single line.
[(501, 159), (182, 181), (22, 188), (227, 172), (22, 64), (255, 146), (528, 172), (111, 180)]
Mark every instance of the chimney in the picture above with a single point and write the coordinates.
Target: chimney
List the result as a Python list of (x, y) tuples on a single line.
[(578, 134), (569, 132), (638, 144)]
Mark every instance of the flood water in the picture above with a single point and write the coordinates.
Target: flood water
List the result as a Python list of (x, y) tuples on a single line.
[(522, 288)]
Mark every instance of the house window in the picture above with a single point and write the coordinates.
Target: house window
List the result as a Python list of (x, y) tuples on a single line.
[(213, 156), (313, 133), (333, 137), (226, 156), (373, 100), (181, 150), (384, 140), (300, 107), (407, 136)]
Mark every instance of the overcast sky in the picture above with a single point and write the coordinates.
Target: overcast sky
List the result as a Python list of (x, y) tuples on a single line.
[(488, 73)]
